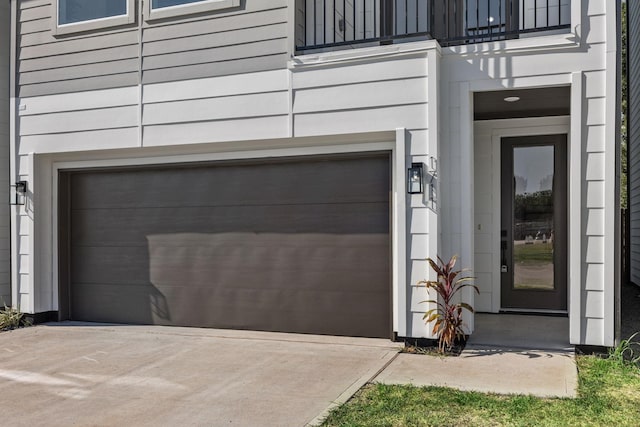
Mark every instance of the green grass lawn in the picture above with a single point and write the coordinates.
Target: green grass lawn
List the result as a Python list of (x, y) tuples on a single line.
[(534, 254), (609, 395)]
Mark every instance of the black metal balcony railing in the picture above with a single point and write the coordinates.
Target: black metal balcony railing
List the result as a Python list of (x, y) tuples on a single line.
[(325, 24)]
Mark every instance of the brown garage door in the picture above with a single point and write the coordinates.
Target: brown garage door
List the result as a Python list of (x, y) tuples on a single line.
[(297, 245)]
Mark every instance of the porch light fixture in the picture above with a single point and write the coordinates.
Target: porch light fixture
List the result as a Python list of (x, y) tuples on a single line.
[(19, 190), (512, 99), (414, 178)]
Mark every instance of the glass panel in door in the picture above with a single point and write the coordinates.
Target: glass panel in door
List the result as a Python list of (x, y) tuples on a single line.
[(533, 215)]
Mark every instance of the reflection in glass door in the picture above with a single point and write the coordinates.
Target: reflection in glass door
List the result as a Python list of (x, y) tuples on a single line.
[(534, 223), (533, 217)]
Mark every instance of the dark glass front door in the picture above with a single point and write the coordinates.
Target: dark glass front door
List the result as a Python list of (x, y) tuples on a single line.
[(534, 223)]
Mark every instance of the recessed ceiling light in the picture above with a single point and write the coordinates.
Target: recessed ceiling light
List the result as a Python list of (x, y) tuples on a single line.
[(512, 99)]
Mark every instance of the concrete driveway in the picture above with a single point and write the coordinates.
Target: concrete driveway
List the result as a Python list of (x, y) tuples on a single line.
[(89, 374)]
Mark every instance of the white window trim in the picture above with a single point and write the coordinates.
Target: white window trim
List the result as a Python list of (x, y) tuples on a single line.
[(187, 9), (93, 24)]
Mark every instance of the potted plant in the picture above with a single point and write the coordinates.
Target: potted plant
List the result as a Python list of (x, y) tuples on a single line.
[(447, 315)]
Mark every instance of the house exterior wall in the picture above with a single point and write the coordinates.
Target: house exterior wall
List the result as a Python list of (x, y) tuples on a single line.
[(633, 123), (225, 85), (212, 45), (382, 99), (5, 38), (590, 71)]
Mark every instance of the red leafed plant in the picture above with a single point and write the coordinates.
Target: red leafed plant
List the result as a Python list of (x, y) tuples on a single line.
[(447, 316)]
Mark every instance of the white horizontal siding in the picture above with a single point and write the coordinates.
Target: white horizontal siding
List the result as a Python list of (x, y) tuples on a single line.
[(595, 222), (361, 96), (593, 331), (594, 194), (341, 74), (221, 108), (594, 8), (24, 255), (595, 84), (544, 63), (239, 84), (418, 296), (216, 131), (354, 121), (596, 111), (350, 98), (594, 246), (596, 140), (80, 141), (246, 106), (109, 118), (595, 167), (77, 121), (597, 29), (419, 221), (594, 277), (593, 212), (593, 308), (79, 101)]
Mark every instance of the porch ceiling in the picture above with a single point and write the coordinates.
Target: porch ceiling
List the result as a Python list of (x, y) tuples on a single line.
[(539, 102)]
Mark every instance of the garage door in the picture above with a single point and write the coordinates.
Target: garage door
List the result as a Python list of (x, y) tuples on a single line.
[(297, 245)]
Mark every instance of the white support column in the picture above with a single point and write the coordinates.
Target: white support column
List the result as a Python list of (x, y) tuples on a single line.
[(467, 192), (399, 230), (575, 211), (27, 281), (612, 197), (13, 142)]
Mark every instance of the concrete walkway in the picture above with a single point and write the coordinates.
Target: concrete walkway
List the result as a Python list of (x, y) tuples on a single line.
[(544, 373), (507, 354)]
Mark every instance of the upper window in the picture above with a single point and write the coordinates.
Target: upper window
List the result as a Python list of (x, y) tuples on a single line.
[(72, 11), (84, 15), (158, 4), (158, 9)]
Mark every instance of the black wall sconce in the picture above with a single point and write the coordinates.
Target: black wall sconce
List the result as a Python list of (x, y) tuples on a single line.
[(19, 196), (415, 178)]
